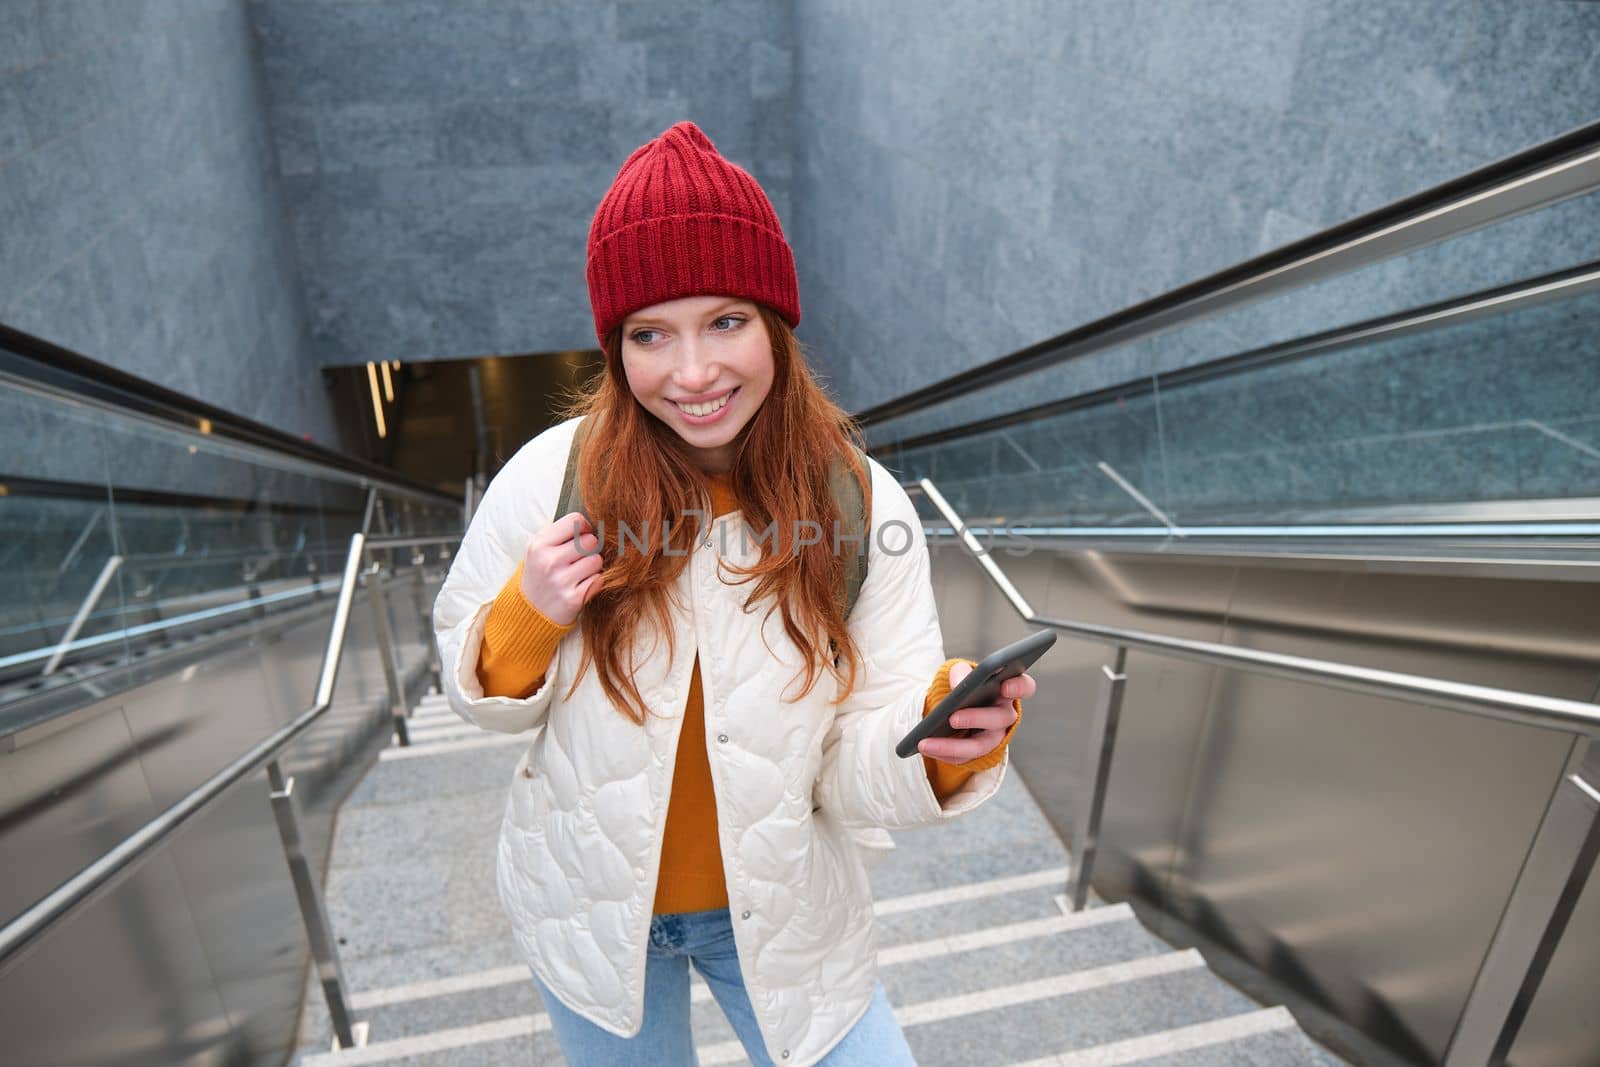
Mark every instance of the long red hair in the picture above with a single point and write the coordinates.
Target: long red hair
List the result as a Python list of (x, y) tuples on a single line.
[(636, 470)]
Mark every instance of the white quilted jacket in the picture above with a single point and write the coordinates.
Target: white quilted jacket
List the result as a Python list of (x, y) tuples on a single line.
[(794, 781)]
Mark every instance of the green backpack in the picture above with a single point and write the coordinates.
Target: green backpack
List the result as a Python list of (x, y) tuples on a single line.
[(853, 499)]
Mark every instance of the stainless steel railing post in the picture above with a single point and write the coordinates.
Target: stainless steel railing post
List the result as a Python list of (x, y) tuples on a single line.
[(979, 553), (1542, 901), (435, 667), (386, 651), (324, 950), (307, 890), (1097, 773)]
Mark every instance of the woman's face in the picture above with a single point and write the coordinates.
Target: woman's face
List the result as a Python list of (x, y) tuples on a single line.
[(702, 365)]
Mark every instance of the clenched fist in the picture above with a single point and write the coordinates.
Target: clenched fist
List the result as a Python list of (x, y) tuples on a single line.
[(557, 578)]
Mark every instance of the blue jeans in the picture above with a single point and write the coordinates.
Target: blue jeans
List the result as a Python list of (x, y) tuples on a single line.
[(705, 938)]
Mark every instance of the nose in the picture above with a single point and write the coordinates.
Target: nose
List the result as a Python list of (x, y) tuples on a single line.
[(697, 369)]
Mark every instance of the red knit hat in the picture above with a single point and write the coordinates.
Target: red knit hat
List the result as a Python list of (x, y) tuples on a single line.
[(680, 220)]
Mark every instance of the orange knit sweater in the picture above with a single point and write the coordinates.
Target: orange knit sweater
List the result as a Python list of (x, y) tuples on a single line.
[(518, 644)]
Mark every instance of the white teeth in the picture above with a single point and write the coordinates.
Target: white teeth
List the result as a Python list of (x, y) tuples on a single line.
[(706, 409)]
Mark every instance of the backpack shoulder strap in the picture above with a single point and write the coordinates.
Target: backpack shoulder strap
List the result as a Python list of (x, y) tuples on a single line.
[(571, 498), (853, 498)]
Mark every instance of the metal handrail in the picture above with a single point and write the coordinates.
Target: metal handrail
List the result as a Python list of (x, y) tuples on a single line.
[(403, 541), (25, 930), (1497, 300), (1527, 708), (1565, 847), (21, 931), (1547, 173), (43, 366), (69, 643)]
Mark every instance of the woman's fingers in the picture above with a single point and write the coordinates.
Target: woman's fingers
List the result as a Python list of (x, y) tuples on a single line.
[(582, 578), (561, 568), (564, 558), (562, 528), (961, 749), (570, 538), (991, 724), (1021, 687), (587, 588), (993, 717)]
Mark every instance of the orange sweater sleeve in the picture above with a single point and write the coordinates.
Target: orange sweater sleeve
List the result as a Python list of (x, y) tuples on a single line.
[(518, 644), (946, 778)]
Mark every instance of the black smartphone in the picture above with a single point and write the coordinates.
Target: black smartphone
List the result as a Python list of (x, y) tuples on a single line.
[(978, 689)]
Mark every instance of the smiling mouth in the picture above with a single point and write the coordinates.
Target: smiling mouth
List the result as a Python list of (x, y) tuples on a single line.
[(710, 406)]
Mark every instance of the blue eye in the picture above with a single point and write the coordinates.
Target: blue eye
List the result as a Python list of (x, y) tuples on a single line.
[(735, 319), (639, 337)]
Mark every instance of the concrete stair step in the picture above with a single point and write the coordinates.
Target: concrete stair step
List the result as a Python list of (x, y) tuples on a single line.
[(999, 1024), (483, 769), (1038, 1019), (982, 962), (440, 713), (471, 741), (490, 1045), (1267, 1037), (1031, 1020), (443, 731), (378, 980), (1039, 939)]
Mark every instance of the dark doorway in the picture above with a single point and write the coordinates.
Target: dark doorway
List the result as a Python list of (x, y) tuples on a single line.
[(432, 431)]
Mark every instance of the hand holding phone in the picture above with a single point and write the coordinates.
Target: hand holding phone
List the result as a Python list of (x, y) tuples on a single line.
[(985, 692)]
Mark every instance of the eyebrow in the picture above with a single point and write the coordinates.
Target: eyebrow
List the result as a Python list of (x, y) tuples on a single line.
[(716, 312)]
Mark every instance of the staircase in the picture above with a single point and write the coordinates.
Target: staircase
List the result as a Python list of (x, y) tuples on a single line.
[(982, 961)]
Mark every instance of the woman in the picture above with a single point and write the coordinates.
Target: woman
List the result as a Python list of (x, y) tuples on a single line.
[(706, 664)]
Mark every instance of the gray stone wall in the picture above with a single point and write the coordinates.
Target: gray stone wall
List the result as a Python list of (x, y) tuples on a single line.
[(958, 179), (973, 178), (443, 158), (140, 208)]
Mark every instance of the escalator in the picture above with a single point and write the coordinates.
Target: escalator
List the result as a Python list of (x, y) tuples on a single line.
[(172, 576), (1379, 448)]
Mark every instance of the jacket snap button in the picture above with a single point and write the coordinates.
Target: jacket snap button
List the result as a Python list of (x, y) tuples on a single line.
[(744, 915), (722, 737), (785, 1053)]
